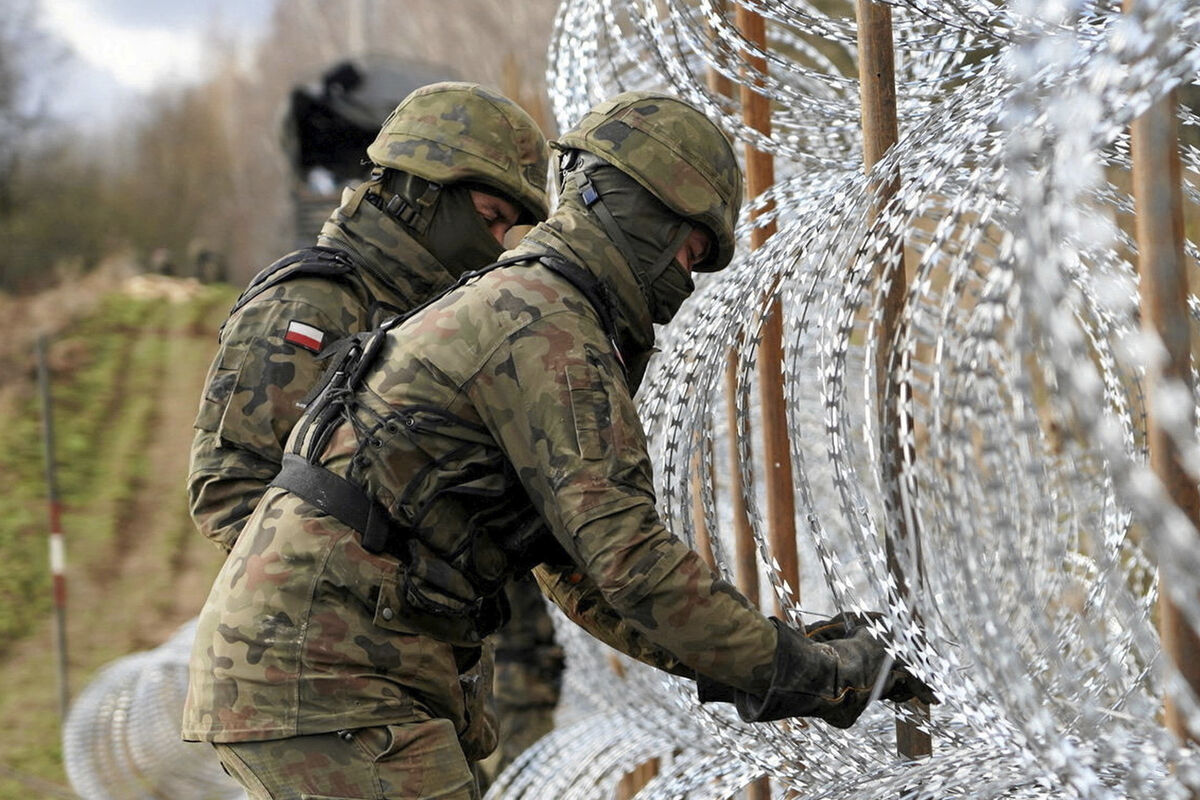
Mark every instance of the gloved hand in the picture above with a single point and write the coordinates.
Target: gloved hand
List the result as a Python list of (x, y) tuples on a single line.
[(827, 672), (900, 685)]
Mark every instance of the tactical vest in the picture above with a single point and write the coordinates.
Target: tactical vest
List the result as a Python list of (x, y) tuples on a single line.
[(442, 591)]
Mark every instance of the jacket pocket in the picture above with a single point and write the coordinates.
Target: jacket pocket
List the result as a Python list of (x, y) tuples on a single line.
[(591, 411), (220, 388), (409, 603)]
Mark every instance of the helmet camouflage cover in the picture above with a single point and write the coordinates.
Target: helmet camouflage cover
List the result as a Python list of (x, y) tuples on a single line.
[(675, 152), (452, 131)]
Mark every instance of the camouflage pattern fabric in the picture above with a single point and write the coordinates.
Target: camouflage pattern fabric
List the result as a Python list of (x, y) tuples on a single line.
[(413, 760), (451, 131), (528, 678), (505, 393), (256, 378), (479, 738), (678, 155), (529, 664)]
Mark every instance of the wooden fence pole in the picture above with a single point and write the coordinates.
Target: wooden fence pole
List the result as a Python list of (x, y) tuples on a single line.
[(781, 502), (745, 559), (1164, 292), (877, 87), (760, 176)]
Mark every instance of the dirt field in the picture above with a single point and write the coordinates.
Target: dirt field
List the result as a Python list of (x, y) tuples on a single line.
[(136, 569)]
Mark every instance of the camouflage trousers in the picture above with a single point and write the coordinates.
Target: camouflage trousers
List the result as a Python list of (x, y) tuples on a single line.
[(411, 761), (528, 678)]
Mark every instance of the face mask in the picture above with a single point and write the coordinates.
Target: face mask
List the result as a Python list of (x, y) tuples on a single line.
[(649, 234), (673, 286), (457, 236)]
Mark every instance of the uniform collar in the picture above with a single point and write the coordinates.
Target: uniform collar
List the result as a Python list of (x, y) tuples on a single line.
[(389, 256), (576, 236)]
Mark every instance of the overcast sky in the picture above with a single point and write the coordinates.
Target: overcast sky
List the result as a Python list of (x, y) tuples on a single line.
[(123, 47)]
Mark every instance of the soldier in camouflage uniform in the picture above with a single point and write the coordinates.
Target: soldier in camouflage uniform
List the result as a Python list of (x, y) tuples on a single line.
[(490, 433), (456, 165)]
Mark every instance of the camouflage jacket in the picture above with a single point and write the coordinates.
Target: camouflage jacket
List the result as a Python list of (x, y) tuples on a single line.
[(270, 355), (502, 403)]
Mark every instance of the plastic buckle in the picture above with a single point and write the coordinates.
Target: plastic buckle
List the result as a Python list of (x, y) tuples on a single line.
[(399, 208), (588, 192), (430, 194)]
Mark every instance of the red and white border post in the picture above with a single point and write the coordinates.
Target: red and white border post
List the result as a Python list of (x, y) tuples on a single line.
[(58, 561)]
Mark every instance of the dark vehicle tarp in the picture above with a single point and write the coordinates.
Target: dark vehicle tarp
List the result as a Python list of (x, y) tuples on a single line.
[(330, 121)]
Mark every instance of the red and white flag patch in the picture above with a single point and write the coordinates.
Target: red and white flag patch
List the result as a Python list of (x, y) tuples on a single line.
[(305, 336)]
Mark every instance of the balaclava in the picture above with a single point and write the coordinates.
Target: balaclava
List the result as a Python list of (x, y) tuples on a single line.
[(647, 233), (442, 219)]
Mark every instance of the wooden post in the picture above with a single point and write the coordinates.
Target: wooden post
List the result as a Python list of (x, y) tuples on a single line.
[(703, 535), (877, 88), (1164, 292), (745, 559), (745, 555), (744, 551), (781, 502), (57, 550), (760, 176), (718, 83), (637, 779)]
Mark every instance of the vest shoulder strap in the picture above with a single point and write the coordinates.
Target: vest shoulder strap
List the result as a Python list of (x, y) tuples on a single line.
[(325, 262)]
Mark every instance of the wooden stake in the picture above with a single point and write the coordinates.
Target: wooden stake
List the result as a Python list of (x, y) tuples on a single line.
[(745, 558), (877, 87), (745, 554), (781, 503), (760, 176), (703, 536), (1164, 292)]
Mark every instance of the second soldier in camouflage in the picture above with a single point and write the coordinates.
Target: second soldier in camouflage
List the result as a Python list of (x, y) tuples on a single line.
[(454, 166)]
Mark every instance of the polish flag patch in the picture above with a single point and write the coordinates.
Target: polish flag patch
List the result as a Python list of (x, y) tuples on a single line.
[(305, 336)]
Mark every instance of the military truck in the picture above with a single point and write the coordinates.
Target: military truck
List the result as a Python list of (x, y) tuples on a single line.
[(328, 123)]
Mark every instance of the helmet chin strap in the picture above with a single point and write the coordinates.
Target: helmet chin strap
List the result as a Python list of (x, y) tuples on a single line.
[(576, 177), (413, 200), (664, 261)]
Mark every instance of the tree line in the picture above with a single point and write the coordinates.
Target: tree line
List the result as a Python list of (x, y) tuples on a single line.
[(202, 169)]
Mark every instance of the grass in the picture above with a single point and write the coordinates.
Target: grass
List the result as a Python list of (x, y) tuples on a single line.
[(125, 380)]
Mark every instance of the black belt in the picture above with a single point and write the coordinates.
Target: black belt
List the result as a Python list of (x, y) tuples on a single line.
[(339, 498)]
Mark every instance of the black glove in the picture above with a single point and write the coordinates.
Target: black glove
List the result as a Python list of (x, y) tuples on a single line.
[(828, 673), (711, 691), (900, 685)]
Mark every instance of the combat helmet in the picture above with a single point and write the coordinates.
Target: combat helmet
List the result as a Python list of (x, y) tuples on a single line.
[(675, 153), (454, 132)]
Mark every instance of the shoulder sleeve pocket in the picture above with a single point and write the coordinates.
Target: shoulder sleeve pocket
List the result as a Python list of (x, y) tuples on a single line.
[(591, 410), (253, 406), (217, 392)]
